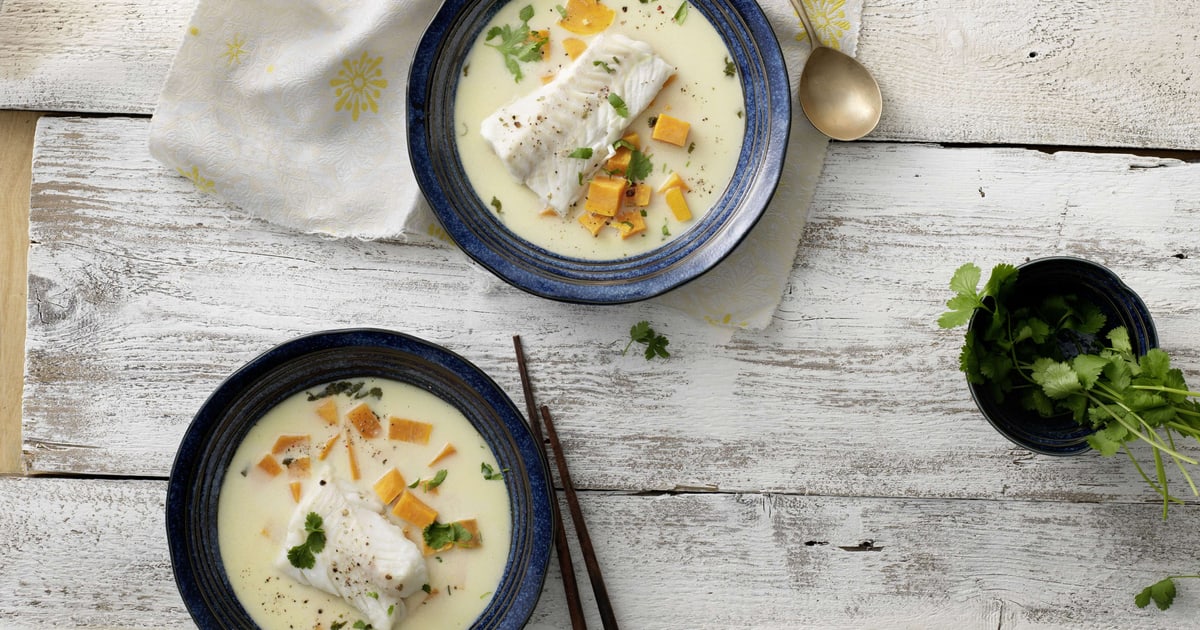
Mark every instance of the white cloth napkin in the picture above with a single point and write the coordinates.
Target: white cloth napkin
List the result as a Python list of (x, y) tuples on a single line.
[(293, 110)]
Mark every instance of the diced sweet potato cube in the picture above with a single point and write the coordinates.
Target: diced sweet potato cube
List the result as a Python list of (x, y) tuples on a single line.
[(671, 130), (549, 212), (446, 451), (678, 204), (409, 430), (299, 467), (546, 78), (295, 486), (291, 444), (586, 17), (574, 46), (413, 510), (673, 181), (328, 411), (472, 527), (328, 446), (629, 222), (619, 162), (269, 465), (353, 459), (593, 222), (605, 195), (640, 197), (364, 420), (389, 486)]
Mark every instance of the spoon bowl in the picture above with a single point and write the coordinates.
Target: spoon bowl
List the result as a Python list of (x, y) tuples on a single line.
[(839, 95)]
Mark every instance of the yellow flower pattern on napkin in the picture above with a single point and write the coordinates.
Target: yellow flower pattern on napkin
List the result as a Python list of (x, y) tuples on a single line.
[(202, 184), (828, 19), (235, 48), (358, 86)]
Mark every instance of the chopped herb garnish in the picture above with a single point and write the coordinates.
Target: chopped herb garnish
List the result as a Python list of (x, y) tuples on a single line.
[(653, 120), (580, 178), (438, 535), (414, 484), (497, 205), (347, 388), (303, 556), (639, 167), (656, 344), (582, 153), (562, 11), (373, 595), (739, 113), (362, 625), (603, 66), (730, 69), (436, 481), (624, 143), (681, 13), (391, 609), (489, 473), (337, 625), (618, 104), (691, 147), (425, 587), (516, 44), (666, 232), (484, 596)]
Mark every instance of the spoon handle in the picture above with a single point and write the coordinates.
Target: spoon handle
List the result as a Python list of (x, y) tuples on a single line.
[(812, 34)]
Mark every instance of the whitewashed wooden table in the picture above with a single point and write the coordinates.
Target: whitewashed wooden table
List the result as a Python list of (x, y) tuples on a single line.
[(830, 471)]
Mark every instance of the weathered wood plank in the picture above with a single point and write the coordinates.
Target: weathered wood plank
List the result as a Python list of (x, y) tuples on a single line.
[(93, 553), (145, 294), (1079, 73)]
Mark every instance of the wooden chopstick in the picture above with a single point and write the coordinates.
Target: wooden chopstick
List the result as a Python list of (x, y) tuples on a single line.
[(607, 618), (574, 603)]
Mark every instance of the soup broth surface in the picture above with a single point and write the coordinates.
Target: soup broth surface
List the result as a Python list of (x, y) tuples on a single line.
[(254, 507), (705, 92)]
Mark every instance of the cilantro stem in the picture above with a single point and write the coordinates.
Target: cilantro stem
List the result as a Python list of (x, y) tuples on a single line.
[(1183, 428), (1146, 478), (1161, 471), (1166, 390), (1179, 465), (1132, 429)]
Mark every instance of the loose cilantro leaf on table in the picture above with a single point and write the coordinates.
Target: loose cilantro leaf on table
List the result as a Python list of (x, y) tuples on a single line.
[(656, 344), (1055, 356), (517, 44), (1162, 592)]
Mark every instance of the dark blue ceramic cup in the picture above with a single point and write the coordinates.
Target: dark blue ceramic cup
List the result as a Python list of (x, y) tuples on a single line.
[(1091, 282)]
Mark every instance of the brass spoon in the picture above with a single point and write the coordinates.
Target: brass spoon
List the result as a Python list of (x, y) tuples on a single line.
[(839, 95)]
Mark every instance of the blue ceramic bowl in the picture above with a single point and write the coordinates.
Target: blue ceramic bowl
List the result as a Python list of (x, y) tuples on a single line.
[(229, 413), (1091, 282), (433, 83)]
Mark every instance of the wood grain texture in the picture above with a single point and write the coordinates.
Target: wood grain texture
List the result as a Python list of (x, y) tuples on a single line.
[(145, 294), (1021, 72), (16, 152), (680, 561)]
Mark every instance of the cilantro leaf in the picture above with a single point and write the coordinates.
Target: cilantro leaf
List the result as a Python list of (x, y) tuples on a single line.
[(618, 104), (301, 557), (437, 480), (582, 153), (489, 473), (517, 44), (440, 535), (603, 66), (1161, 592), (656, 344), (639, 167), (730, 69), (681, 13)]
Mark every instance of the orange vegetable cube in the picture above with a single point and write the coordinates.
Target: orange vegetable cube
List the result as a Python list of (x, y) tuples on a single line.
[(291, 443), (546, 78), (586, 17), (640, 197), (269, 465), (673, 181), (364, 420), (409, 430), (328, 446), (354, 472), (389, 486), (678, 204), (299, 467), (619, 162), (628, 222), (593, 222), (605, 195), (413, 510), (328, 411), (295, 486), (671, 130), (446, 451), (574, 46), (472, 527)]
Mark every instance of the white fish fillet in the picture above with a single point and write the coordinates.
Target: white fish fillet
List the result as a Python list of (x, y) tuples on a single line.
[(535, 134), (364, 553)]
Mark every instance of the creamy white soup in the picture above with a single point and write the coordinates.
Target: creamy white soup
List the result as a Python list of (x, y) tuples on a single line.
[(409, 456), (683, 174)]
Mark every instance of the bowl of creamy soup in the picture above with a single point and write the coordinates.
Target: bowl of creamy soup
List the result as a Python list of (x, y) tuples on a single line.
[(598, 151), (359, 479)]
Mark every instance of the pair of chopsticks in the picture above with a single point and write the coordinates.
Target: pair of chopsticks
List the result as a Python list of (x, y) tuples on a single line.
[(607, 619)]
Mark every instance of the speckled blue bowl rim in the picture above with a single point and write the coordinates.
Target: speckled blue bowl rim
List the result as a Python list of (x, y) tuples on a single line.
[(471, 224), (195, 479), (1142, 334)]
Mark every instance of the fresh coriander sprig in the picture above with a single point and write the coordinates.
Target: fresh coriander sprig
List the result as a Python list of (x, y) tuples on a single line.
[(1018, 351), (303, 556), (656, 344), (517, 44), (1161, 592)]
